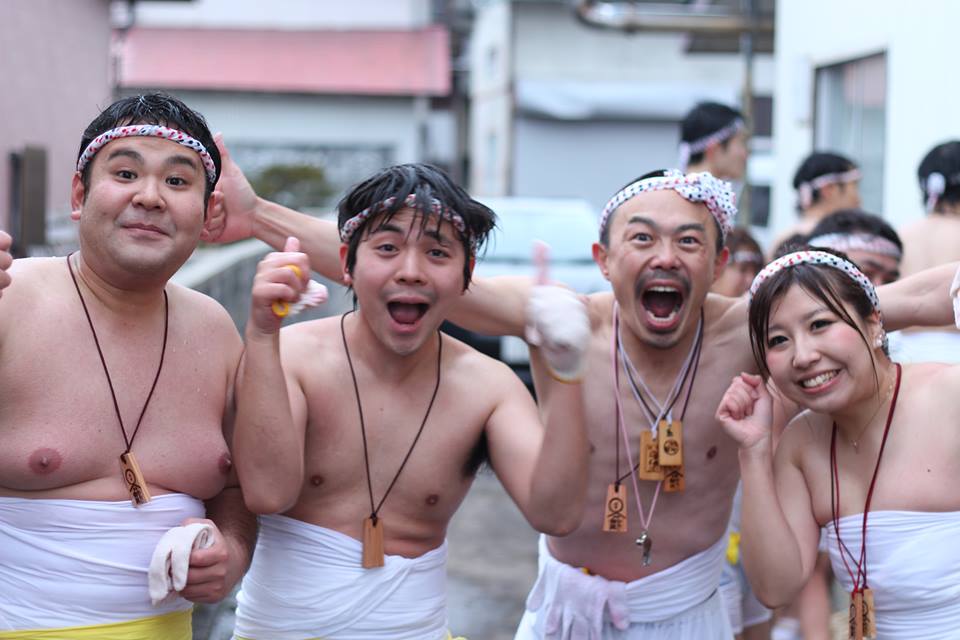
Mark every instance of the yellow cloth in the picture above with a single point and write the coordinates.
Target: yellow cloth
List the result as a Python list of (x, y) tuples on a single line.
[(733, 548), (171, 626)]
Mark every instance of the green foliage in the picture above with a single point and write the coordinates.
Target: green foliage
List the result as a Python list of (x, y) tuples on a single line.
[(297, 186)]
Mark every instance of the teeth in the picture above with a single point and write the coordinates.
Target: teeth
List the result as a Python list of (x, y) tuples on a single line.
[(662, 289), (809, 383)]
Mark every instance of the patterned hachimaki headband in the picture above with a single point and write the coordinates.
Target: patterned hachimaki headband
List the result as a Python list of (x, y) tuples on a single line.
[(434, 207), (746, 257), (806, 189), (816, 257), (700, 145), (695, 187), (848, 242), (154, 131)]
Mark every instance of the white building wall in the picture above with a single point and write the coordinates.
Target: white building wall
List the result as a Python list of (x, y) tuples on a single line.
[(491, 94), (285, 14), (922, 96)]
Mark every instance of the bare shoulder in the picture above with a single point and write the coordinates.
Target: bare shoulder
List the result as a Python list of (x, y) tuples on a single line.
[(804, 435), (311, 342), (935, 379), (726, 318), (33, 283), (467, 368), (600, 309), (202, 312)]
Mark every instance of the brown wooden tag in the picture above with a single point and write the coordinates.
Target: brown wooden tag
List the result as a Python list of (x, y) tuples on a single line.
[(670, 436), (615, 513), (856, 616), (649, 453), (133, 478), (869, 616), (372, 543), (673, 479)]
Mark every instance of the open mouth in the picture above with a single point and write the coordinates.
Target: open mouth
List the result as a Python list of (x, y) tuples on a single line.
[(818, 381), (662, 304), (408, 313)]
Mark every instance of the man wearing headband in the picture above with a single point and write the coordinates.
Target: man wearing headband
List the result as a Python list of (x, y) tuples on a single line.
[(746, 259), (825, 182), (114, 385), (365, 431), (671, 348), (713, 138), (869, 242)]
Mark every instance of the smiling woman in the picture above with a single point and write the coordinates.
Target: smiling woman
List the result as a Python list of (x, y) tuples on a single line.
[(816, 332)]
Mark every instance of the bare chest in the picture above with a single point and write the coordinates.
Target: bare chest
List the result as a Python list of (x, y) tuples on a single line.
[(59, 427)]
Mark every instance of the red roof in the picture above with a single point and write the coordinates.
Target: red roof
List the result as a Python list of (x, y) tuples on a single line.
[(388, 62)]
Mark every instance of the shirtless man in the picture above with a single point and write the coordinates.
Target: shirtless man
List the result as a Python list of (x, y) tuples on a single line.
[(825, 182), (661, 248), (370, 426), (102, 356), (714, 139)]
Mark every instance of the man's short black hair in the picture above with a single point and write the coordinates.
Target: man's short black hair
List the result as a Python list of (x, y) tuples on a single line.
[(426, 182), (152, 108), (945, 160), (704, 119), (851, 221), (820, 163)]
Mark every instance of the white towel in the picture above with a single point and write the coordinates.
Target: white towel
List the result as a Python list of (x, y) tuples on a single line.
[(171, 559)]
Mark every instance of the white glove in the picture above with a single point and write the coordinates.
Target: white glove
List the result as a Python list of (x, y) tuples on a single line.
[(954, 290), (557, 322), (314, 294), (576, 604), (171, 559)]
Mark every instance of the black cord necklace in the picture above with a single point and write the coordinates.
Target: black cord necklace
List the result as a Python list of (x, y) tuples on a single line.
[(373, 525)]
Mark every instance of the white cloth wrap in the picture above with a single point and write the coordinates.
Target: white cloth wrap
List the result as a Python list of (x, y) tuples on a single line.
[(306, 582), (913, 561), (925, 346), (66, 563), (679, 603), (170, 562)]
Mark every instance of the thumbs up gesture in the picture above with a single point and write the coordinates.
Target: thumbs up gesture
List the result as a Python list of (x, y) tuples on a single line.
[(557, 322)]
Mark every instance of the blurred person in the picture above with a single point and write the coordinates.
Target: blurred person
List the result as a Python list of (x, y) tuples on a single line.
[(933, 240), (654, 572), (116, 388), (817, 335), (713, 138), (825, 182), (746, 260), (358, 436), (872, 244)]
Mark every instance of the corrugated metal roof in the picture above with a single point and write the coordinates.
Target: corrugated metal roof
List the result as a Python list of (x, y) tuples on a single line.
[(388, 62)]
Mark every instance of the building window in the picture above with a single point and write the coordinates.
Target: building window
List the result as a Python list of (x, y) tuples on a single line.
[(850, 119)]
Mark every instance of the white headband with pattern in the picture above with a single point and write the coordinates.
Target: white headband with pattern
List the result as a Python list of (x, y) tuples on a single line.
[(716, 194), (700, 145), (806, 189), (433, 206), (153, 131), (816, 257), (848, 242), (746, 257)]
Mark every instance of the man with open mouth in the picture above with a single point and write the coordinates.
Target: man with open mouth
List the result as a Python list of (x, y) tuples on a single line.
[(359, 435)]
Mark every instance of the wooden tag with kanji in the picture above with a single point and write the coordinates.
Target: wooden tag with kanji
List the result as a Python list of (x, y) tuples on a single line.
[(649, 453), (673, 479), (133, 478), (868, 615), (615, 513), (670, 436), (372, 543), (856, 616)]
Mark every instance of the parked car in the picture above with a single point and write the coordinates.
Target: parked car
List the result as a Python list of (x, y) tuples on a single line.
[(568, 226)]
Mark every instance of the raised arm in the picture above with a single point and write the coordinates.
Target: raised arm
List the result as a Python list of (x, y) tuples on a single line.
[(545, 470), (778, 529), (271, 408), (920, 300)]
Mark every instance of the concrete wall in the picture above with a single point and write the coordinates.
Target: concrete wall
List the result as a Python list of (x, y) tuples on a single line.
[(54, 69), (286, 14), (922, 97)]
